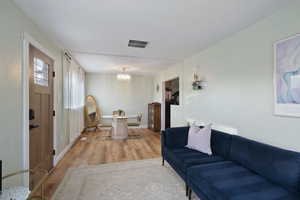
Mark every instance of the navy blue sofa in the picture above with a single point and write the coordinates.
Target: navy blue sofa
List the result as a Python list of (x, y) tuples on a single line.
[(239, 169), (173, 142)]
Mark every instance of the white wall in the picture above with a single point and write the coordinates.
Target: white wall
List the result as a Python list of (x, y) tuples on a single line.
[(239, 74), (111, 94), (13, 23)]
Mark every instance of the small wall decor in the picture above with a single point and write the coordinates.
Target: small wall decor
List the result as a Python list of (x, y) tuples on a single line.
[(157, 87), (287, 77), (197, 83)]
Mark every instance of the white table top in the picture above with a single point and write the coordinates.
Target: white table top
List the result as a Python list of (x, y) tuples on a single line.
[(119, 117)]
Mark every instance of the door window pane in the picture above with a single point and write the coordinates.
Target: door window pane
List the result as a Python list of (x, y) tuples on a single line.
[(41, 72)]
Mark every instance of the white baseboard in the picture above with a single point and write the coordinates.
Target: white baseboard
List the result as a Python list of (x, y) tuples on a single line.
[(218, 127), (61, 154), (141, 126)]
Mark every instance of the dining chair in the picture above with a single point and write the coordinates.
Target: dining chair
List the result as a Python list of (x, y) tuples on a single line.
[(138, 121)]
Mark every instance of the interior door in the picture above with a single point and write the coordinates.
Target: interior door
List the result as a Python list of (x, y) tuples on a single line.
[(40, 114)]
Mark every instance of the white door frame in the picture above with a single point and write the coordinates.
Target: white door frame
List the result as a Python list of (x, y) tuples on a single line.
[(26, 41), (163, 104)]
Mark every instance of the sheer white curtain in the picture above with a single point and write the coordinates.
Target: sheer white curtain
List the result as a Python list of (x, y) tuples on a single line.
[(77, 101), (66, 100), (74, 97)]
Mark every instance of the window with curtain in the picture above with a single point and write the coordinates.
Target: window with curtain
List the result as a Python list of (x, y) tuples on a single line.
[(74, 97)]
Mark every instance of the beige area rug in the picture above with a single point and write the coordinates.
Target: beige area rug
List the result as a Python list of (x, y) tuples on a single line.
[(133, 180)]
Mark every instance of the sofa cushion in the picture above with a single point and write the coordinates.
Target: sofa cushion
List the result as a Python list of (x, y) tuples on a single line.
[(277, 165), (174, 164), (185, 158), (220, 143), (176, 137), (230, 181)]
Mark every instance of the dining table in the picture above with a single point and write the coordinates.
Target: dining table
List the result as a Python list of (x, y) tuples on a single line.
[(112, 116), (119, 125)]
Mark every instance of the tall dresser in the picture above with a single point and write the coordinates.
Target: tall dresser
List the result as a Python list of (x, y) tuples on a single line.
[(154, 110)]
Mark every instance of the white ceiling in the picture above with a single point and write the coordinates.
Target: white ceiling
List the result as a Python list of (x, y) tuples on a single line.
[(111, 64), (97, 31)]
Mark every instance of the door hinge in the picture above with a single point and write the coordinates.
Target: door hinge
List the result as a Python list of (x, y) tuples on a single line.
[(53, 152), (53, 74), (54, 113)]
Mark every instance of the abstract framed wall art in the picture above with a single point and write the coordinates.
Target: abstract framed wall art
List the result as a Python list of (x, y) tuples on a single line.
[(287, 77)]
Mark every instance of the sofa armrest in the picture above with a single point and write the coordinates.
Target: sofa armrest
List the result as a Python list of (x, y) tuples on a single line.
[(175, 137), (162, 142)]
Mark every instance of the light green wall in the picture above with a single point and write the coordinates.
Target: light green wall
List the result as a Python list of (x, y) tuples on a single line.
[(111, 94), (13, 23), (239, 74)]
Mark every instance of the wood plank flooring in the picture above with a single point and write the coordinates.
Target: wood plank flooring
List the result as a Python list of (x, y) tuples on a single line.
[(99, 150)]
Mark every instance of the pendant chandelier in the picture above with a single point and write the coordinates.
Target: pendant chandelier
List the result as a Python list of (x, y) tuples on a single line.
[(123, 76)]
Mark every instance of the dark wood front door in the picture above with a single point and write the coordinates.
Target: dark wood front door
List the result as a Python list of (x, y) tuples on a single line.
[(40, 114)]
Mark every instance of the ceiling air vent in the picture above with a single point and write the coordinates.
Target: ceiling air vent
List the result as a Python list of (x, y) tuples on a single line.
[(137, 43)]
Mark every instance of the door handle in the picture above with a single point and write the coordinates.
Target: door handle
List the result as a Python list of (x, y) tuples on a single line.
[(31, 114), (31, 126)]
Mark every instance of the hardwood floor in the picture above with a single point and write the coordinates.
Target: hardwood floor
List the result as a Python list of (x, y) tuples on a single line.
[(97, 149)]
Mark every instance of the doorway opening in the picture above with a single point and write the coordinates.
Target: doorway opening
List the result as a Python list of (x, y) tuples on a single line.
[(171, 97)]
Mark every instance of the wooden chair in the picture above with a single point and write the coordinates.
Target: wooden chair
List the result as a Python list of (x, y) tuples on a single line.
[(119, 112), (138, 121)]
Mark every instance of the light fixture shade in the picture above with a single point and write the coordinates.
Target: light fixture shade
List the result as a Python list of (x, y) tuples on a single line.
[(123, 77)]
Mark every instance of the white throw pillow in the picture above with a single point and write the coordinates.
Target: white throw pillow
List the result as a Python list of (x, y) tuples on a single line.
[(199, 139)]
